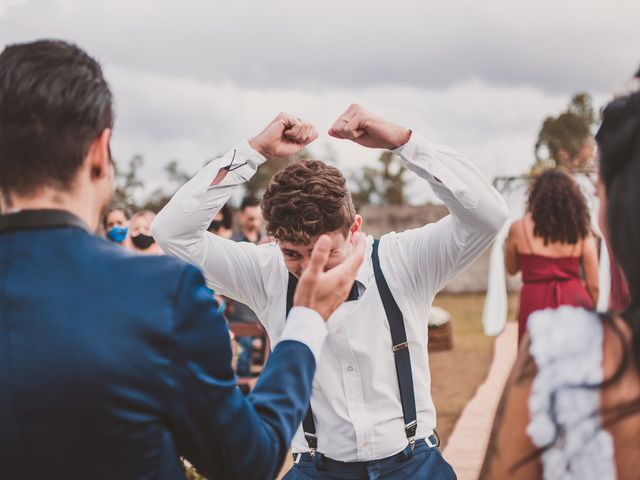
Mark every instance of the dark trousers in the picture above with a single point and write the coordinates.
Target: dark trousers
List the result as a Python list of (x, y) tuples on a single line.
[(424, 463)]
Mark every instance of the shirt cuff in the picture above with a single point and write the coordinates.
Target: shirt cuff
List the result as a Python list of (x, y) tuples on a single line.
[(241, 161), (245, 150), (417, 144), (306, 326)]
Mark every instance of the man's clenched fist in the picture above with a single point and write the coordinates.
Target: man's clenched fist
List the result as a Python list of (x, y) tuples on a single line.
[(283, 137), (367, 129)]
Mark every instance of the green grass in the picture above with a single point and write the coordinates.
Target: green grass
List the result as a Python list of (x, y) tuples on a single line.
[(456, 374)]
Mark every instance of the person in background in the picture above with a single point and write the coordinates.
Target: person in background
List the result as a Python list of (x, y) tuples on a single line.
[(140, 233), (550, 245), (222, 223), (113, 365), (250, 217), (251, 220), (371, 415), (571, 407), (116, 226)]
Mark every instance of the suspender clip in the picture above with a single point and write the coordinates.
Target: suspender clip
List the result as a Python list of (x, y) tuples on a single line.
[(312, 441), (400, 346), (410, 430)]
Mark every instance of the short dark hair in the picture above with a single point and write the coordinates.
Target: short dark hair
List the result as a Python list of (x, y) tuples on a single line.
[(558, 208), (112, 209), (619, 150), (305, 200), (249, 201), (54, 102), (227, 218)]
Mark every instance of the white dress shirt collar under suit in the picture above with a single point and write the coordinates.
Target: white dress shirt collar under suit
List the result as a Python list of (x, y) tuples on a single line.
[(355, 399)]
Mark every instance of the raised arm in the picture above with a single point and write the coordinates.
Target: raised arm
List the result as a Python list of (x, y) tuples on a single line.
[(221, 432), (436, 252), (230, 268)]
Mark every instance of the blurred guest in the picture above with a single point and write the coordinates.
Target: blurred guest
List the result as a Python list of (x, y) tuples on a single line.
[(222, 223), (571, 407), (140, 233), (549, 245), (250, 217), (112, 365), (116, 226)]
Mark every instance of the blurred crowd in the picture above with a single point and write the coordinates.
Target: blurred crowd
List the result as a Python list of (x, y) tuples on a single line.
[(133, 231)]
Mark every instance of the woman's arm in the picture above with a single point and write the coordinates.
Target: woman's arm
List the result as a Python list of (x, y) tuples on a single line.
[(590, 267), (511, 262)]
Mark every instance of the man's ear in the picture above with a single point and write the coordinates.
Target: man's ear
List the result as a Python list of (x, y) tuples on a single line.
[(356, 226), (99, 157)]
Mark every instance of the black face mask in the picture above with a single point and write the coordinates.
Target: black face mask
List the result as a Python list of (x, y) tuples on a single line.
[(142, 241)]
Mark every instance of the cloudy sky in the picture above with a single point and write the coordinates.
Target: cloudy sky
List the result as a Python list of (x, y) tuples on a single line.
[(193, 77)]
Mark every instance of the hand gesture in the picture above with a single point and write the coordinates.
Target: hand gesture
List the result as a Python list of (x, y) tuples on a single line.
[(283, 137), (369, 130), (324, 291)]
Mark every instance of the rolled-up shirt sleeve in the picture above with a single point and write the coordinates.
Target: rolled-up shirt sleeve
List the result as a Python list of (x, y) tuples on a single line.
[(230, 268)]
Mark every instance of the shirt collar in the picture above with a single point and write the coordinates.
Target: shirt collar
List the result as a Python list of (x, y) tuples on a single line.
[(365, 272), (37, 219)]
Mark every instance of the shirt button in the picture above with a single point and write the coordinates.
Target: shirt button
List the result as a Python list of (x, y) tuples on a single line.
[(350, 368), (338, 331), (365, 444)]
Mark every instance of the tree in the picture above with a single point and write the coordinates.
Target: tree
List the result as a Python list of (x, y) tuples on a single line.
[(127, 184), (566, 140), (160, 197), (385, 184)]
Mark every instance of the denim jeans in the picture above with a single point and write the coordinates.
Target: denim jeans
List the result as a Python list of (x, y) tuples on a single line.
[(426, 463)]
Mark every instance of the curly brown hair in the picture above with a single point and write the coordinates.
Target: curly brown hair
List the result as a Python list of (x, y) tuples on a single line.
[(306, 199), (558, 208)]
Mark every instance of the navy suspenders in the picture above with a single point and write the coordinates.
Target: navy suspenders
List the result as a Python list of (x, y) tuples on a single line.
[(400, 353), (400, 349)]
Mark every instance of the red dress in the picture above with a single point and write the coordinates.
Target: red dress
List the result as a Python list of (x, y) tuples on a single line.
[(548, 283)]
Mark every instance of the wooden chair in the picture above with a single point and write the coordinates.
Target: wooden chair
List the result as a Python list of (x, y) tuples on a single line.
[(241, 329)]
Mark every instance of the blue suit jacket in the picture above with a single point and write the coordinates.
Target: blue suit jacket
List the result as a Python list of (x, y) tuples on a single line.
[(113, 365)]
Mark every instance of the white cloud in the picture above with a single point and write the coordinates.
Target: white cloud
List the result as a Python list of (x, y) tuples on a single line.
[(191, 78), (6, 4), (169, 118), (554, 45)]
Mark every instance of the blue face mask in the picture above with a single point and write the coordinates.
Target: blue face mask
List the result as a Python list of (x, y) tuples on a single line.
[(117, 234)]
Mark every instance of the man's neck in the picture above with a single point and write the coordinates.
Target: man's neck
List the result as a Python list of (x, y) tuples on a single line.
[(50, 199)]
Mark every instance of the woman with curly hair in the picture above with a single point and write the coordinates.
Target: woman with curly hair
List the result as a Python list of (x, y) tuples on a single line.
[(549, 245), (571, 407)]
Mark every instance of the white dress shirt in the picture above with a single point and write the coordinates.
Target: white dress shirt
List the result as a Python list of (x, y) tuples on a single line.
[(355, 399)]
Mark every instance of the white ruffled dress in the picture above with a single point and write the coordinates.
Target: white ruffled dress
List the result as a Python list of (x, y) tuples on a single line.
[(566, 344)]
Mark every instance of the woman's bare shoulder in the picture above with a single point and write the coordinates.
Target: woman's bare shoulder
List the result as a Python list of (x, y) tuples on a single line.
[(515, 230)]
